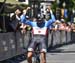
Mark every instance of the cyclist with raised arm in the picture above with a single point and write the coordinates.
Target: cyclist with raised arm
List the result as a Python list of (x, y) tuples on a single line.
[(39, 34)]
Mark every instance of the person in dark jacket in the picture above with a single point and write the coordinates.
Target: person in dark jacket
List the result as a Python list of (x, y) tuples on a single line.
[(15, 20)]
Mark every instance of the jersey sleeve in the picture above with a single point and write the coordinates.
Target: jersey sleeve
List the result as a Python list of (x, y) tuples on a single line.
[(25, 21), (52, 20), (22, 18)]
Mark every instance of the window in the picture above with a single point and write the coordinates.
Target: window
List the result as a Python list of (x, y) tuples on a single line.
[(23, 1)]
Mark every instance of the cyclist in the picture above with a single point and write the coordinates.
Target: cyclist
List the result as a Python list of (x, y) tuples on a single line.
[(39, 33)]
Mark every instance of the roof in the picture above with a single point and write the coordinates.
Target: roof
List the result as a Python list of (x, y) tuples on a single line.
[(13, 2), (11, 5)]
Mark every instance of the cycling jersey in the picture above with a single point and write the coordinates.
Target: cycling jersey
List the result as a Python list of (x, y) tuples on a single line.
[(42, 30), (39, 32)]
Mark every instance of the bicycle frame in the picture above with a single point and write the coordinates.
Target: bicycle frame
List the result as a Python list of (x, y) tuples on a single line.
[(36, 56)]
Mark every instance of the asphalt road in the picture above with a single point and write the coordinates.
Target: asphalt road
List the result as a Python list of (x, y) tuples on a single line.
[(64, 54)]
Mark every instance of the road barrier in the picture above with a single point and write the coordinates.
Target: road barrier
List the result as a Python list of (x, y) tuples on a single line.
[(15, 43)]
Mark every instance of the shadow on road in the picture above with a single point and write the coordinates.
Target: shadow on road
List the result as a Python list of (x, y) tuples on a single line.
[(56, 48)]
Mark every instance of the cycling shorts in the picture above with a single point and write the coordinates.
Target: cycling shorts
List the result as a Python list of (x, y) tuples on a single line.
[(38, 39)]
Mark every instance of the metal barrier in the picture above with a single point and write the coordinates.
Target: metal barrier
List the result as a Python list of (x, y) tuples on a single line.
[(68, 37), (15, 43), (7, 45), (56, 38), (63, 37), (73, 36)]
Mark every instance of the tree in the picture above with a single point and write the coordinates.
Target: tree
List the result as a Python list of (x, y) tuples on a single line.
[(73, 3)]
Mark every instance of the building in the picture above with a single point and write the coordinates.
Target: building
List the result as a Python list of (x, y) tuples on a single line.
[(39, 6)]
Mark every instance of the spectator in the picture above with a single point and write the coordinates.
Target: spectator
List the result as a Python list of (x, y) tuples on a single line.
[(48, 13), (15, 20), (62, 25), (23, 26), (73, 27), (68, 27)]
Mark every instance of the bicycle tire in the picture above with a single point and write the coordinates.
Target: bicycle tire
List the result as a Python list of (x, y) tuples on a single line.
[(36, 59)]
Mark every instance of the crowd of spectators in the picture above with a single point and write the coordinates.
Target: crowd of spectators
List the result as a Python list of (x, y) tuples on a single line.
[(61, 24)]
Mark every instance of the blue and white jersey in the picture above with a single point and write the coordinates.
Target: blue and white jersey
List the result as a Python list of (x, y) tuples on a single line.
[(36, 30)]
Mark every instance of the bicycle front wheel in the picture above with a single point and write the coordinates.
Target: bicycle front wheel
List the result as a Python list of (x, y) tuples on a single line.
[(36, 59)]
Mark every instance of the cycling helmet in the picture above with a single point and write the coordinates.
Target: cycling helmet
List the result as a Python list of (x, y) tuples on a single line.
[(39, 18), (40, 21)]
